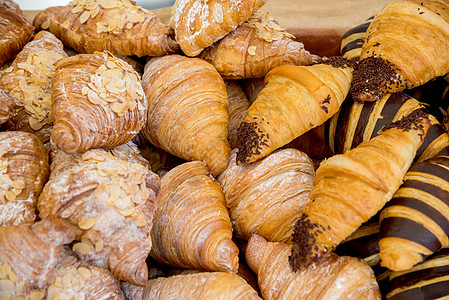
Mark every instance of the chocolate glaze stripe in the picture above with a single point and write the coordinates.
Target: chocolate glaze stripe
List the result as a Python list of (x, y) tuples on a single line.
[(362, 124), (408, 230), (416, 204), (338, 136), (435, 141), (426, 291), (354, 117), (359, 28), (436, 174), (442, 160), (416, 276), (362, 247)]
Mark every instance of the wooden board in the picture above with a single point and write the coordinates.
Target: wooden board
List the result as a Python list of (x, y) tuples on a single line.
[(319, 24)]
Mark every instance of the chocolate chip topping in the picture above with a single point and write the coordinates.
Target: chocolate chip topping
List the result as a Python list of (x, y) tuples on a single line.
[(305, 251), (251, 138), (412, 121), (373, 77), (339, 62)]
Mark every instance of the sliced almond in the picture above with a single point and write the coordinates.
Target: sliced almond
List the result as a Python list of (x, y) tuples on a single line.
[(84, 273), (6, 285), (99, 246), (252, 50), (5, 296), (84, 17), (36, 296), (87, 223), (81, 247)]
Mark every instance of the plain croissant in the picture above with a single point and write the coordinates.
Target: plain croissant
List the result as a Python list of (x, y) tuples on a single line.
[(119, 26), (254, 48), (294, 100), (407, 44), (238, 105), (333, 277), (109, 194), (198, 24), (266, 197), (352, 187), (187, 110), (98, 102), (191, 227)]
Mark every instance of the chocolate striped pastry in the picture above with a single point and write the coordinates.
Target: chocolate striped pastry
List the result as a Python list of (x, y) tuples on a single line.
[(415, 223), (357, 122), (428, 280), (352, 41)]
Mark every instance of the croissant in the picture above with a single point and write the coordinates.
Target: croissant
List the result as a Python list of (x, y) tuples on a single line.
[(191, 227), (198, 25), (23, 172), (266, 197), (238, 105), (413, 223), (252, 87), (205, 285), (74, 280), (294, 100), (407, 44), (187, 110), (98, 102), (118, 26), (352, 41), (110, 196), (15, 30), (8, 106), (29, 79), (350, 188), (254, 48), (427, 280), (357, 122), (332, 277), (29, 254)]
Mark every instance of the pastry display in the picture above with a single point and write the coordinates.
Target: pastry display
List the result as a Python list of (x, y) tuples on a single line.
[(98, 102), (15, 30), (192, 228), (198, 24), (109, 195), (118, 26), (267, 196), (24, 170), (254, 48), (352, 187), (294, 100), (182, 92), (29, 79), (406, 45), (224, 149)]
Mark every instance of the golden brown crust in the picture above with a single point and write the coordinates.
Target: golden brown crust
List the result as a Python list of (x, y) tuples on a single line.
[(266, 197), (15, 30), (254, 48), (117, 26), (198, 24), (238, 105), (332, 277), (192, 228), (111, 198), (182, 92), (98, 102), (8, 106), (24, 171), (29, 79)]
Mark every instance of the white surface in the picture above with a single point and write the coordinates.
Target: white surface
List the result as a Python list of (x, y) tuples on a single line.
[(41, 4)]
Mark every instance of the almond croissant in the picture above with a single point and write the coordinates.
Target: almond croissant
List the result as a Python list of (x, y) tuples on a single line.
[(333, 277), (254, 48), (29, 79), (23, 172), (352, 187), (98, 102), (200, 286), (266, 197), (407, 44), (15, 30), (187, 110), (294, 100), (191, 227), (9, 106), (198, 24), (110, 196), (29, 254), (118, 26)]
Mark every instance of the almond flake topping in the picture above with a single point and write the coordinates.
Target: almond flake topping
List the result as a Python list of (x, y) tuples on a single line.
[(115, 84), (34, 86), (266, 27), (9, 189), (120, 183), (129, 14), (8, 279)]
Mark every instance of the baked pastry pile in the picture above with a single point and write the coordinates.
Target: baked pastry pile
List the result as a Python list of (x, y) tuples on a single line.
[(214, 157)]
